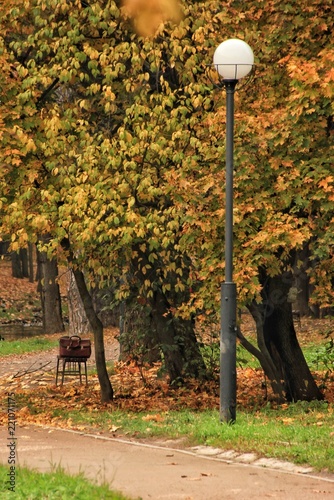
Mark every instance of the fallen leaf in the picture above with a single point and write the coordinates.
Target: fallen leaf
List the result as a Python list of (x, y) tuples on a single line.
[(114, 428), (153, 418)]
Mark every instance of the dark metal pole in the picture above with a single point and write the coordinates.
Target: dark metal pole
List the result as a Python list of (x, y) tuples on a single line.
[(228, 375)]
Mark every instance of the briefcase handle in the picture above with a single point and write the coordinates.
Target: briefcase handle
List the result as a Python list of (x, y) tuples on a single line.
[(74, 341)]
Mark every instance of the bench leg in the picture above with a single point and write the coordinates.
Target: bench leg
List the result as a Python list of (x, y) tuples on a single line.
[(79, 366), (63, 374), (86, 372), (57, 372)]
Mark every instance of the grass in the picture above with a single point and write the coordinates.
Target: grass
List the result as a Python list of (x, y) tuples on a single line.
[(301, 433), (23, 346), (15, 310), (320, 356), (56, 485)]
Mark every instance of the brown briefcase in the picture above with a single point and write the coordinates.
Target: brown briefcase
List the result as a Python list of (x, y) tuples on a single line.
[(75, 347)]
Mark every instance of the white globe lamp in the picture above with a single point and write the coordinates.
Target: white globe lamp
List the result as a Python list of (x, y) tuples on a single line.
[(233, 59)]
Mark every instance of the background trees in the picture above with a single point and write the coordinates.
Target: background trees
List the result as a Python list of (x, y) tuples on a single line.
[(118, 156)]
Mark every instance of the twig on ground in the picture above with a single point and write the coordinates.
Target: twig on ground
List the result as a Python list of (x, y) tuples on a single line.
[(30, 369)]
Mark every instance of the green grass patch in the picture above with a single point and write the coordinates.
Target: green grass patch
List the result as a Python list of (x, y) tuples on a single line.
[(211, 356), (110, 365), (9, 313), (23, 308), (320, 356), (32, 485), (23, 346), (301, 433)]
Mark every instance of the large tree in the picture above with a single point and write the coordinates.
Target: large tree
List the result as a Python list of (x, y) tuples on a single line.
[(109, 110), (123, 139)]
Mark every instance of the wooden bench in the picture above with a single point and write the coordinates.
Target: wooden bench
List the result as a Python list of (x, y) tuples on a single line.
[(71, 367)]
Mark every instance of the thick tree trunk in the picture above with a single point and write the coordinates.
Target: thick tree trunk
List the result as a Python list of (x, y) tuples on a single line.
[(107, 392), (262, 354), (4, 245), (16, 265), (50, 294), (137, 333), (282, 344), (175, 336), (177, 341), (78, 321)]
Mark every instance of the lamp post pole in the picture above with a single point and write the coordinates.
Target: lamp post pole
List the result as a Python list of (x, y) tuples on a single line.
[(233, 60), (228, 300)]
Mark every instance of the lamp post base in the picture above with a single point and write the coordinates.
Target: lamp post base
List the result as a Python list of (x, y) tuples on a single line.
[(228, 336)]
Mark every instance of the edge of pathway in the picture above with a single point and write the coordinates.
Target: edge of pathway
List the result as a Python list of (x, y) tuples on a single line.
[(209, 453)]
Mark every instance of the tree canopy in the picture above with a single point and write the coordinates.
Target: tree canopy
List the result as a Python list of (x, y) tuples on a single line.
[(113, 142)]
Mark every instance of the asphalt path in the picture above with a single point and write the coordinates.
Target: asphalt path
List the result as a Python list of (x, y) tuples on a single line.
[(150, 471)]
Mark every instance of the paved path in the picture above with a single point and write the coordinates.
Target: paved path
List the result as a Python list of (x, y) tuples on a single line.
[(157, 472)]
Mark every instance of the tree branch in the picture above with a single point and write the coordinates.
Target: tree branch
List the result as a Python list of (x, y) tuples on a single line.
[(30, 369)]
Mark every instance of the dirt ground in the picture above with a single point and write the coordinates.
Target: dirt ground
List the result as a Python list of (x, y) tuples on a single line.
[(45, 361)]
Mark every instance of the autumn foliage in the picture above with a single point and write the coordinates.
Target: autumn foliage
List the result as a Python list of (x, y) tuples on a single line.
[(113, 142)]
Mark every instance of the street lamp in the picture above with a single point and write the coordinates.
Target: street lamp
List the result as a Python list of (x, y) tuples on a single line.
[(233, 60)]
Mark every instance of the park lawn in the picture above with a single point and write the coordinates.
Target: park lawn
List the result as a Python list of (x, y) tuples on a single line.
[(55, 485), (28, 345), (146, 407), (300, 432)]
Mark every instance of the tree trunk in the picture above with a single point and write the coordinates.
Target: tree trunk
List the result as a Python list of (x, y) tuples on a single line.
[(4, 247), (31, 262), (137, 333), (16, 265), (175, 336), (282, 344), (262, 354), (78, 321), (177, 341), (50, 294), (24, 262), (107, 392)]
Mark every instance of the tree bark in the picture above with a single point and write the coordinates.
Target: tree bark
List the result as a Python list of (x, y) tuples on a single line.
[(31, 262), (263, 355), (281, 342), (24, 262), (175, 336), (107, 392), (50, 294), (16, 265), (177, 341), (137, 333), (78, 321)]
